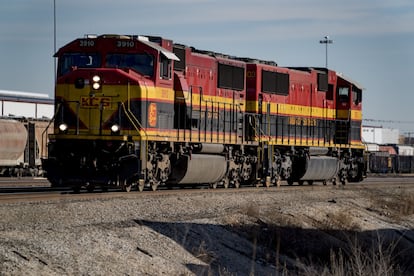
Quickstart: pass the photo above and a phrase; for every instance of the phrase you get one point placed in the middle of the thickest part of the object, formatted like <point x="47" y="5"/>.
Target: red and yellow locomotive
<point x="142" y="111"/>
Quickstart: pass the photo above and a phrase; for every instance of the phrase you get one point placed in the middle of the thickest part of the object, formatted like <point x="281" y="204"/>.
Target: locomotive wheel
<point x="277" y="181"/>
<point x="225" y="183"/>
<point x="301" y="182"/>
<point x="141" y="185"/>
<point x="104" y="188"/>
<point x="268" y="182"/>
<point x="76" y="189"/>
<point x="154" y="185"/>
<point x="310" y="182"/>
<point x="290" y="182"/>
<point x="126" y="187"/>
<point x="90" y="187"/>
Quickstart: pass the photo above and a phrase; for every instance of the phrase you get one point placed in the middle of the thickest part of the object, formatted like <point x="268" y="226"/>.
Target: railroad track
<point x="18" y="190"/>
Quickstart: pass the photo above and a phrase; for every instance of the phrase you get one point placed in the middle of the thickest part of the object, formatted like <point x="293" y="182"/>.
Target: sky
<point x="373" y="40"/>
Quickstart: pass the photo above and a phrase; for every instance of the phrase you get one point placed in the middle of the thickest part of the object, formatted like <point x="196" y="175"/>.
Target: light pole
<point x="326" y="41"/>
<point x="54" y="38"/>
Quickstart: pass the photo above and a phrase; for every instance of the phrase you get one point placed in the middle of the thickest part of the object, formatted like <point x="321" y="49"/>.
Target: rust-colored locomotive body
<point x="142" y="111"/>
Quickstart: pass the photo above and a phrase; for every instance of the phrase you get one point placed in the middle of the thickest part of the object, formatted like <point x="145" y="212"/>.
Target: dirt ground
<point x="309" y="231"/>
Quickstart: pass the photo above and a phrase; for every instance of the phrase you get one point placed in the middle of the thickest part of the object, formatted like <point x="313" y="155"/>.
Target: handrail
<point x="133" y="120"/>
<point x="44" y="133"/>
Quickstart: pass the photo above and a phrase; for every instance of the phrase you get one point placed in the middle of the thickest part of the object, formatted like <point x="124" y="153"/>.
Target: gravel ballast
<point x="191" y="233"/>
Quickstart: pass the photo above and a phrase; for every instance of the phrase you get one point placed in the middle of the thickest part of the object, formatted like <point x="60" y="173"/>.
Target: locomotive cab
<point x="348" y="111"/>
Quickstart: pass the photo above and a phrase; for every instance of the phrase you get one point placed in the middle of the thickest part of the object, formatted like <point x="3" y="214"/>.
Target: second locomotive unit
<point x="142" y="111"/>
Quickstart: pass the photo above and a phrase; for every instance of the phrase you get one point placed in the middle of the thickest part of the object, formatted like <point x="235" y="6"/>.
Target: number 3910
<point x="125" y="44"/>
<point x="86" y="43"/>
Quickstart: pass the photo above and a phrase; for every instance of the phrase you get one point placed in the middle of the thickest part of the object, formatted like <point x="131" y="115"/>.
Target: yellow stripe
<point x="215" y="101"/>
<point x="121" y="93"/>
<point x="302" y="111"/>
<point x="355" y="114"/>
<point x="90" y="115"/>
<point x="116" y="92"/>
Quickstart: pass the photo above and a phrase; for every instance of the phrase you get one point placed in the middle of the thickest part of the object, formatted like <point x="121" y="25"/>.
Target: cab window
<point x="69" y="61"/>
<point x="343" y="94"/>
<point x="356" y="95"/>
<point x="165" y="67"/>
<point x="141" y="63"/>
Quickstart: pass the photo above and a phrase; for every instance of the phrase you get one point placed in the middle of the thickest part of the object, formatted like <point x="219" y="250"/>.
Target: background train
<point x="390" y="158"/>
<point x="23" y="120"/>
<point x="144" y="111"/>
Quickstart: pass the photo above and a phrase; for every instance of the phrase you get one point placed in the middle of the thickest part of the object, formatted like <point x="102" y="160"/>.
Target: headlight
<point x="96" y="82"/>
<point x="115" y="128"/>
<point x="63" y="127"/>
<point x="96" y="85"/>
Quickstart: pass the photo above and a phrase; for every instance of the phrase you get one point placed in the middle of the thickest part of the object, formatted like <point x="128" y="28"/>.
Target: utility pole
<point x="326" y="41"/>
<point x="54" y="38"/>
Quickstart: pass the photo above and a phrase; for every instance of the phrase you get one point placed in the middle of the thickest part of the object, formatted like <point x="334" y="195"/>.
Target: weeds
<point x="331" y="243"/>
<point x="378" y="260"/>
<point x="340" y="220"/>
<point x="202" y="253"/>
<point x="336" y="246"/>
<point x="396" y="206"/>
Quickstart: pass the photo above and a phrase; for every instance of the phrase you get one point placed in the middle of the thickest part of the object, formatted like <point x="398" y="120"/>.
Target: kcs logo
<point x="95" y="101"/>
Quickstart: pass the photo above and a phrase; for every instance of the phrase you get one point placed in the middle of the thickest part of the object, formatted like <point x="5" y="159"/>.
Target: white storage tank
<point x="380" y="135"/>
<point x="404" y="150"/>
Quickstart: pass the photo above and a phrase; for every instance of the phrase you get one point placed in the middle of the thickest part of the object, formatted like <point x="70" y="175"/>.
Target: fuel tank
<point x="200" y="168"/>
<point x="13" y="138"/>
<point x="208" y="148"/>
<point x="321" y="168"/>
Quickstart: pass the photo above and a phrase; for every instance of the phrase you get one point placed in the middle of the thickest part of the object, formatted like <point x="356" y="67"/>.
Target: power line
<point x="388" y="121"/>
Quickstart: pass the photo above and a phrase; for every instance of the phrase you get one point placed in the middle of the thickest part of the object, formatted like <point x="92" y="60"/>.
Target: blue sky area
<point x="373" y="40"/>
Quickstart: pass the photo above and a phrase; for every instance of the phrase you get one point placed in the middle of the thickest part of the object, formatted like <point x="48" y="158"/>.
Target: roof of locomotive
<point x="226" y="56"/>
<point x="355" y="83"/>
<point x="324" y="69"/>
<point x="151" y="41"/>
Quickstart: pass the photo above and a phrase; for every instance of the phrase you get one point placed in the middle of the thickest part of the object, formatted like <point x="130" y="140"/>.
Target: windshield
<point x="141" y="63"/>
<point x="343" y="93"/>
<point x="79" y="60"/>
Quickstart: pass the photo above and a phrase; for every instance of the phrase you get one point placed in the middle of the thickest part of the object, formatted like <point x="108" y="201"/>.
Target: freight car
<point x="22" y="144"/>
<point x="24" y="117"/>
<point x="143" y="111"/>
<point x="391" y="159"/>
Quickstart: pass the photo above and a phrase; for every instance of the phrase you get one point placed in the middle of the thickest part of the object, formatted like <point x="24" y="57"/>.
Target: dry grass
<point x="379" y="260"/>
<point x="202" y="253"/>
<point x="402" y="205"/>
<point x="340" y="220"/>
<point x="397" y="206"/>
<point x="336" y="247"/>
